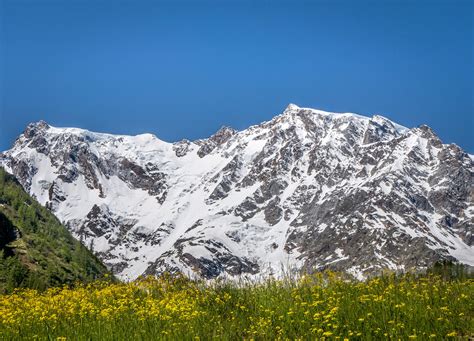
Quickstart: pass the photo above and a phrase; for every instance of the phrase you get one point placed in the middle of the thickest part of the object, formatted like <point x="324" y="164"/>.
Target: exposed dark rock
<point x="332" y="191"/>
<point x="219" y="138"/>
<point x="181" y="148"/>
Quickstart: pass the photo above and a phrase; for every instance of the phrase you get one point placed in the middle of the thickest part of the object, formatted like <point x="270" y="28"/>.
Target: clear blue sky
<point x="183" y="69"/>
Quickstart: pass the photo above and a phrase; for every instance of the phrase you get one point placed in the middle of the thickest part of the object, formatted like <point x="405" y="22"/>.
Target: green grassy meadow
<point x="322" y="306"/>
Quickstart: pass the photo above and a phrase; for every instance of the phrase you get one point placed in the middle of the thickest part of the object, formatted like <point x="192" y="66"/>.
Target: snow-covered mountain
<point x="305" y="191"/>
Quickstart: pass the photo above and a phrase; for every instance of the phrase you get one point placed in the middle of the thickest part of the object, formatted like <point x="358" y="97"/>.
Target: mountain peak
<point x="224" y="130"/>
<point x="41" y="124"/>
<point x="33" y="128"/>
<point x="223" y="134"/>
<point x="308" y="189"/>
<point x="291" y="107"/>
<point x="220" y="137"/>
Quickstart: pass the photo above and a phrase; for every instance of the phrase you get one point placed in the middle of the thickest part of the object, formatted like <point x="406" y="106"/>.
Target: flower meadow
<point x="320" y="306"/>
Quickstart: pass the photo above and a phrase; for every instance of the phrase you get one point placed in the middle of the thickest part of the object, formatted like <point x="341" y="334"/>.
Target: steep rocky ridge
<point x="307" y="190"/>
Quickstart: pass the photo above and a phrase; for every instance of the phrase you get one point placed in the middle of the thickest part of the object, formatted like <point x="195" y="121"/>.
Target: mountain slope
<point x="35" y="249"/>
<point x="307" y="190"/>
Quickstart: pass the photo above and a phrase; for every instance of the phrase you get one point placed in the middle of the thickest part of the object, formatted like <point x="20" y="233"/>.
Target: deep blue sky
<point x="183" y="69"/>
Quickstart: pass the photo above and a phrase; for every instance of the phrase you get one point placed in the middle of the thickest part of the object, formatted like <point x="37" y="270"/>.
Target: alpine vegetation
<point x="36" y="251"/>
<point x="322" y="306"/>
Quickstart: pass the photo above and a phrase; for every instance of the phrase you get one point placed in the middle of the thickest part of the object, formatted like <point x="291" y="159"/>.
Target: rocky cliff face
<point x="307" y="190"/>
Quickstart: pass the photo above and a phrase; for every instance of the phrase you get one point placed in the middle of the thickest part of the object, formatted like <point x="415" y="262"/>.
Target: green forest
<point x="36" y="251"/>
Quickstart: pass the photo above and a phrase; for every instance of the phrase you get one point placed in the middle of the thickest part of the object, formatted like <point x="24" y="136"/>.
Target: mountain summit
<point x="307" y="190"/>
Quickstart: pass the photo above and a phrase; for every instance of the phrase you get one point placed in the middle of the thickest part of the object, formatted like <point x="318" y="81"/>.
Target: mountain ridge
<point x="290" y="108"/>
<point x="308" y="188"/>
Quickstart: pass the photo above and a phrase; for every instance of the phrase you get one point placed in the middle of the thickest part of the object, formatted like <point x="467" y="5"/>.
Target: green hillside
<point x="36" y="251"/>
